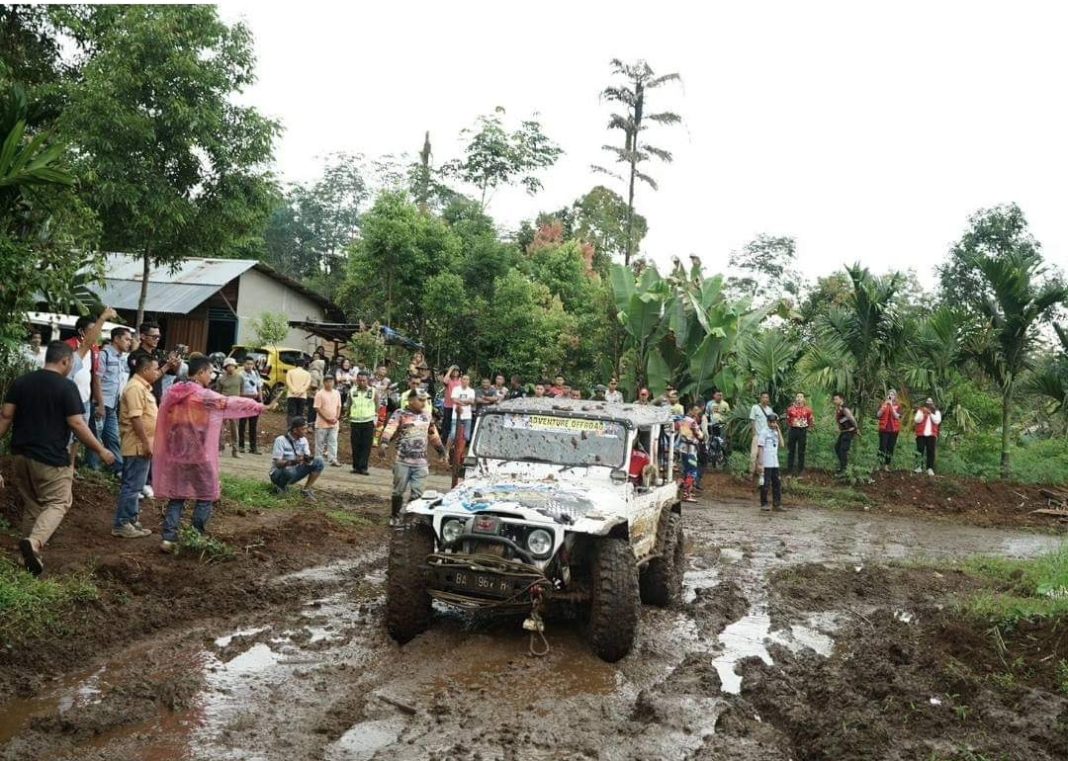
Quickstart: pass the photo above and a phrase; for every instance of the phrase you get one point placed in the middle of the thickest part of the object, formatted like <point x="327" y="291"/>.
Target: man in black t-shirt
<point x="42" y="409"/>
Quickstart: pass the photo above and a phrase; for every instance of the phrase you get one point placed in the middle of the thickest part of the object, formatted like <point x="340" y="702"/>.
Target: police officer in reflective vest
<point x="362" y="416"/>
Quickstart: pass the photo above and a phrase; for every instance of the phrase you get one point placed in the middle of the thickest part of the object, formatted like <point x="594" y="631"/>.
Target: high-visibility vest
<point x="923" y="424"/>
<point x="364" y="407"/>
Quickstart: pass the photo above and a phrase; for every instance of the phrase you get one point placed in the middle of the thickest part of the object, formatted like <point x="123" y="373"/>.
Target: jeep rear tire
<point x="614" y="604"/>
<point x="407" y="600"/>
<point x="661" y="579"/>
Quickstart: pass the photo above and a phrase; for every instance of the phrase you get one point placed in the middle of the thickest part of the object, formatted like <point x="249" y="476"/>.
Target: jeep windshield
<point x="552" y="439"/>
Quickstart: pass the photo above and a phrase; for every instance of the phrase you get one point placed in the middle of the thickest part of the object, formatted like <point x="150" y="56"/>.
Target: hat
<point x="229" y="362"/>
<point x="297" y="422"/>
<point x="363" y="373"/>
<point x="600" y="387"/>
<point x="772" y="417"/>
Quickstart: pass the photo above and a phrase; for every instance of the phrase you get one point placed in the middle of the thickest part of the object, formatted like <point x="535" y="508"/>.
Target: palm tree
<point x="933" y="361"/>
<point x="856" y="344"/>
<point x="640" y="78"/>
<point x="1020" y="299"/>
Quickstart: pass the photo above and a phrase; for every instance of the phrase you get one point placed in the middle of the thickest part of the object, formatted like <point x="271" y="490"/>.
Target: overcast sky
<point x="868" y="131"/>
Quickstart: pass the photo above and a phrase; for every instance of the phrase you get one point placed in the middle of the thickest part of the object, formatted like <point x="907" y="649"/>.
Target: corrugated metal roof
<point x="177" y="291"/>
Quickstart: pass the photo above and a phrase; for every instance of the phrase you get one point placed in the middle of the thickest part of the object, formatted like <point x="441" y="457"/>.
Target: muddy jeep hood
<point x="562" y="504"/>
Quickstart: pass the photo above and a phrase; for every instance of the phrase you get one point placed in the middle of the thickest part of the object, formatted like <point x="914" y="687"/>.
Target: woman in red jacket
<point x="889" y="428"/>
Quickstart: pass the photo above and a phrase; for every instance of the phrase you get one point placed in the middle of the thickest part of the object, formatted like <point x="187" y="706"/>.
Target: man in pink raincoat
<point x="185" y="462"/>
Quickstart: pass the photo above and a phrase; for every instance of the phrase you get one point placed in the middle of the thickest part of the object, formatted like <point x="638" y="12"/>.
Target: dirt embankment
<point x="143" y="591"/>
<point x="958" y="499"/>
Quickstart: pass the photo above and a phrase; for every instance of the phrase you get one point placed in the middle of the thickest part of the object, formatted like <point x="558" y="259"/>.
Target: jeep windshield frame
<point x="569" y="440"/>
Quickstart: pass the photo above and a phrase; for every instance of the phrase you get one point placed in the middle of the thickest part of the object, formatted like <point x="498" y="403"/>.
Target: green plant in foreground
<point x="1062" y="676"/>
<point x="30" y="606"/>
<point x="208" y="549"/>
<point x="349" y="520"/>
<point x="257" y="495"/>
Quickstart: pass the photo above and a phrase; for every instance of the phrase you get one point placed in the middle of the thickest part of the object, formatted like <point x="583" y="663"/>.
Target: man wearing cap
<point x="292" y="461"/>
<point x="413" y="429"/>
<point x="599" y="392"/>
<point x="327" y="420"/>
<point x="363" y="412"/>
<point x="768" y="464"/>
<point x="230" y="383"/>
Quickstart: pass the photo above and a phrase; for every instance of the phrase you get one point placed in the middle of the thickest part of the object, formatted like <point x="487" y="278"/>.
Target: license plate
<point x="484" y="583"/>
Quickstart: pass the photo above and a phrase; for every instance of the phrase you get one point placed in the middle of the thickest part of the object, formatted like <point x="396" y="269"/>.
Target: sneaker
<point x="365" y="472"/>
<point x="778" y="508"/>
<point x="335" y="464"/>
<point x="279" y="491"/>
<point x="689" y="498"/>
<point x="765" y="508"/>
<point x="254" y="451"/>
<point x="31" y="557"/>
<point x="129" y="531"/>
<point x="308" y="494"/>
<point x="138" y="526"/>
<point x="148" y="493"/>
<point x="235" y="454"/>
<point x="918" y="470"/>
<point x="930" y="472"/>
<point x="167" y="546"/>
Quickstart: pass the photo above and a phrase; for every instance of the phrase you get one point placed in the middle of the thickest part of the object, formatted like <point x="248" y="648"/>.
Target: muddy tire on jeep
<point x="407" y="600"/>
<point x="614" y="603"/>
<point x="661" y="579"/>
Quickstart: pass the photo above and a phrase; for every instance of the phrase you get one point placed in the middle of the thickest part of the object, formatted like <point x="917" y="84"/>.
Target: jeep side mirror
<point x="619" y="476"/>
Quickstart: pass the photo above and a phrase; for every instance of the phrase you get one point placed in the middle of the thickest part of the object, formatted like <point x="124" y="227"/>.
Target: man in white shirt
<point x="292" y="461"/>
<point x="613" y="394"/>
<point x="768" y="464"/>
<point x="928" y="419"/>
<point x="463" y="404"/>
<point x="758" y="419"/>
<point x="34" y="351"/>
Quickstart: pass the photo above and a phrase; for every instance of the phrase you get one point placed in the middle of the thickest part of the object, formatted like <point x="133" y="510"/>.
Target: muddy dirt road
<point x="315" y="676"/>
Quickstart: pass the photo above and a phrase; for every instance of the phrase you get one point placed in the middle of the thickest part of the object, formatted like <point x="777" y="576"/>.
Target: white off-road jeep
<point x="561" y="502"/>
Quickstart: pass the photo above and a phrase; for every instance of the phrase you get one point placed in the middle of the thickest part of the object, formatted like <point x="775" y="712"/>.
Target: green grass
<point x="349" y="520"/>
<point x="30" y="606"/>
<point x="829" y="496"/>
<point x="257" y="495"/>
<point x="207" y="549"/>
<point x="1023" y="589"/>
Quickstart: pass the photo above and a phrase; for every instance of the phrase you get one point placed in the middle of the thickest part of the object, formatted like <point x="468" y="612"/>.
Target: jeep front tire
<point x="661" y="579"/>
<point x="407" y="600"/>
<point x="614" y="604"/>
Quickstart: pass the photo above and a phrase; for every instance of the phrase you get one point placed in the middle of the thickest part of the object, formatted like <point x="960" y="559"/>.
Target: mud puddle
<point x="319" y="679"/>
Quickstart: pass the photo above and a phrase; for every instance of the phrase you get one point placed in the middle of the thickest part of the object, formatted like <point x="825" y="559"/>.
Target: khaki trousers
<point x="46" y="494"/>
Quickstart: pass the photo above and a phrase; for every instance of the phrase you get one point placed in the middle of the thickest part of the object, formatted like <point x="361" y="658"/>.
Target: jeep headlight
<point x="539" y="542"/>
<point x="451" y="530"/>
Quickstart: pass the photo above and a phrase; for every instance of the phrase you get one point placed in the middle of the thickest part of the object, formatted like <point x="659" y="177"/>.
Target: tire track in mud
<point x="319" y="679"/>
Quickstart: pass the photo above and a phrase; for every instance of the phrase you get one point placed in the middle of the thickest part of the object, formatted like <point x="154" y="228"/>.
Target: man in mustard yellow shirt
<point x="137" y="429"/>
<point x="298" y="381"/>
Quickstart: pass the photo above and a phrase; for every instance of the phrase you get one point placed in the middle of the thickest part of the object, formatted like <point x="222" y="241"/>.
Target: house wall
<point x="258" y="293"/>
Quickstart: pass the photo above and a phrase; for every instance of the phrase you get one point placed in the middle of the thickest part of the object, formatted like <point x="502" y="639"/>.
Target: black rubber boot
<point x="396" y="504"/>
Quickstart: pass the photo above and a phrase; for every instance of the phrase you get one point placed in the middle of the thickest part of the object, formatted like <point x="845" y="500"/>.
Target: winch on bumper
<point x="491" y="561"/>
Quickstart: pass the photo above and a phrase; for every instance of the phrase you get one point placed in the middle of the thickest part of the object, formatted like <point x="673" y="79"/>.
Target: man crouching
<point x="292" y="460"/>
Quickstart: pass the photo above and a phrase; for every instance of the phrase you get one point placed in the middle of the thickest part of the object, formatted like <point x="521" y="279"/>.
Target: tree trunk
<point x="630" y="215"/>
<point x="1006" y="403"/>
<point x="145" y="274"/>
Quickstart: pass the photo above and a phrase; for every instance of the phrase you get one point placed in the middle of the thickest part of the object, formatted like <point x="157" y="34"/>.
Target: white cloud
<point x="870" y="132"/>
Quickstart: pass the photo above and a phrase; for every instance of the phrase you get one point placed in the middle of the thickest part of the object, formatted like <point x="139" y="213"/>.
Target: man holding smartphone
<point x="292" y="460"/>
